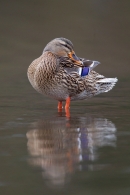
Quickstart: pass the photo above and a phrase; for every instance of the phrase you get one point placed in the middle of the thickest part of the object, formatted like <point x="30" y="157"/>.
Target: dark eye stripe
<point x="65" y="45"/>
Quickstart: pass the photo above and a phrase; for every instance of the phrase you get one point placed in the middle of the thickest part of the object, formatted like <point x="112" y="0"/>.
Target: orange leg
<point x="59" y="106"/>
<point x="67" y="106"/>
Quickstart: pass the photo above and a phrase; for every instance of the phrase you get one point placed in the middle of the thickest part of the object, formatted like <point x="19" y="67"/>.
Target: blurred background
<point x="96" y="160"/>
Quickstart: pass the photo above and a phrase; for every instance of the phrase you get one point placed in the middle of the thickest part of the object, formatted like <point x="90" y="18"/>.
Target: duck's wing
<point x="70" y="67"/>
<point x="89" y="65"/>
<point x="92" y="85"/>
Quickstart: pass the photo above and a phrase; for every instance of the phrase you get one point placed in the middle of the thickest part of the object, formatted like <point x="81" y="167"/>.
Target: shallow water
<point x="42" y="151"/>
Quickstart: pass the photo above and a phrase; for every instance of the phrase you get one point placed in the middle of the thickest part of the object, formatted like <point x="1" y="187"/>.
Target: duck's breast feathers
<point x="42" y="68"/>
<point x="47" y="66"/>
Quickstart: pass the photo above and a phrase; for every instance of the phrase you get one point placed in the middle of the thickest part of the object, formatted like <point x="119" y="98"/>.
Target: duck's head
<point x="63" y="47"/>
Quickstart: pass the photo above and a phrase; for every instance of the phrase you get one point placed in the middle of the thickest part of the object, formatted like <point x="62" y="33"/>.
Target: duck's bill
<point x="76" y="60"/>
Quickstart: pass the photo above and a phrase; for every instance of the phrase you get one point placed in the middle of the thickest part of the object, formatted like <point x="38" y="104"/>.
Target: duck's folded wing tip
<point x="94" y="64"/>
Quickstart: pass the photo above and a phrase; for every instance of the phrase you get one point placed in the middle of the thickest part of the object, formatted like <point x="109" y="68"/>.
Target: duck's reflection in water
<point x="58" y="145"/>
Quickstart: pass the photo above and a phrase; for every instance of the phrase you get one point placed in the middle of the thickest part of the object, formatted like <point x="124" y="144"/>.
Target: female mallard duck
<point x="60" y="74"/>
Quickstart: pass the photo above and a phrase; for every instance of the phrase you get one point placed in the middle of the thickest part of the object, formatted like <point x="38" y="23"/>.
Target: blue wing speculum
<point x="85" y="71"/>
<point x="89" y="65"/>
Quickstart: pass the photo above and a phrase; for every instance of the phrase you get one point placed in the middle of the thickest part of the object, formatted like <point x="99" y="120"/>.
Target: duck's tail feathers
<point x="105" y="84"/>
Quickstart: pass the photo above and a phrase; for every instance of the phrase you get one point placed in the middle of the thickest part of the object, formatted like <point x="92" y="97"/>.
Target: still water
<point x="42" y="151"/>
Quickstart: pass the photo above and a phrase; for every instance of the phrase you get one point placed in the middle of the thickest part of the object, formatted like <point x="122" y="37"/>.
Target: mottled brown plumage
<point x="57" y="73"/>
